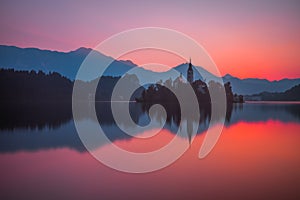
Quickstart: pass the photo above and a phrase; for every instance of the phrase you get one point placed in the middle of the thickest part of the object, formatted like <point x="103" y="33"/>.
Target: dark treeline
<point x="32" y="86"/>
<point x="104" y="89"/>
<point x="31" y="99"/>
<point x="107" y="84"/>
<point x="35" y="87"/>
<point x="38" y="87"/>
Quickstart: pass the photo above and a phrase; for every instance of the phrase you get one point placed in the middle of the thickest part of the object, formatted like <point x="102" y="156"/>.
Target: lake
<point x="256" y="157"/>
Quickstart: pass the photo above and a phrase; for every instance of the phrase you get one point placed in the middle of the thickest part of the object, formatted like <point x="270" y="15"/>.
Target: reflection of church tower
<point x="189" y="130"/>
<point x="190" y="73"/>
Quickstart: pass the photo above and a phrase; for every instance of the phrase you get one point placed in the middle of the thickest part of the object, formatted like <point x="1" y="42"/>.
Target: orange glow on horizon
<point x="239" y="65"/>
<point x="257" y="39"/>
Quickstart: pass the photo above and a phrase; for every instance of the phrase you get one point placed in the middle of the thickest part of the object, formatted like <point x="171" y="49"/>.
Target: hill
<point x="68" y="63"/>
<point x="292" y="94"/>
<point x="64" y="63"/>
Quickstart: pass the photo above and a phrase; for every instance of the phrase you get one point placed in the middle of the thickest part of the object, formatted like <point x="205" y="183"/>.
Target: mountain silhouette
<point x="68" y="63"/>
<point x="65" y="63"/>
<point x="292" y="94"/>
<point x="251" y="86"/>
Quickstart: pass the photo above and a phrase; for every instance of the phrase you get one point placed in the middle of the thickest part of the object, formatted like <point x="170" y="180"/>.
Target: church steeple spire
<point x="190" y="73"/>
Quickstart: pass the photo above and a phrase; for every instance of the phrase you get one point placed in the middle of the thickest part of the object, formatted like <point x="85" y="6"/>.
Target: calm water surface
<point x="256" y="157"/>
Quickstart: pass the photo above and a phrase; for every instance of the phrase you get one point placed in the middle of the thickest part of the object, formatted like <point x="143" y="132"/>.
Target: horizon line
<point x="93" y="49"/>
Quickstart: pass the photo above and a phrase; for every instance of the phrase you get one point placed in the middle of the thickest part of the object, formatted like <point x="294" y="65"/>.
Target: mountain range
<point x="68" y="63"/>
<point x="292" y="94"/>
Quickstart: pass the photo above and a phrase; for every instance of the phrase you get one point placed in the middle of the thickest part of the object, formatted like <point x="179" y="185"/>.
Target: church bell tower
<point x="190" y="73"/>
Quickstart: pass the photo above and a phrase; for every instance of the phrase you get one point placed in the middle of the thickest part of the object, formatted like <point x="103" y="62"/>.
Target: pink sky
<point x="257" y="38"/>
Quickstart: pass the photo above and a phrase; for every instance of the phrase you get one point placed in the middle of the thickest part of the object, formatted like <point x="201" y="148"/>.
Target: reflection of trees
<point x="38" y="101"/>
<point x="55" y="116"/>
<point x="34" y="115"/>
<point x="293" y="109"/>
<point x="174" y="113"/>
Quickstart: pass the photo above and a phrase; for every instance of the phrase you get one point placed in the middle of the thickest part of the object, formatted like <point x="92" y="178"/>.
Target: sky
<point x="259" y="38"/>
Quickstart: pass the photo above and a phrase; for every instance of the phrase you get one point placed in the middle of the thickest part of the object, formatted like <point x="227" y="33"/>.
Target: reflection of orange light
<point x="250" y="160"/>
<point x="240" y="147"/>
<point x="146" y="144"/>
<point x="239" y="139"/>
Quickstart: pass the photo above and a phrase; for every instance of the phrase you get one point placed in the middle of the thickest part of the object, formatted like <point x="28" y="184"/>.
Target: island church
<point x="190" y="73"/>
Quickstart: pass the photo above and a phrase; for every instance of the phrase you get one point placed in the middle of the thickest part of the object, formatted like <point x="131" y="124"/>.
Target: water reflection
<point x="33" y="127"/>
<point x="250" y="162"/>
<point x="34" y="115"/>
